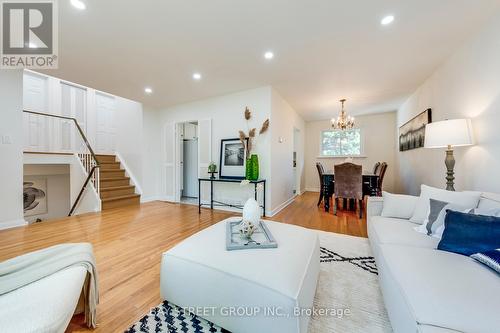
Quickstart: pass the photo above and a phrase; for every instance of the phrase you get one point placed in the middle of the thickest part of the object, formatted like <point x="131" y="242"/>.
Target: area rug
<point x="348" y="281"/>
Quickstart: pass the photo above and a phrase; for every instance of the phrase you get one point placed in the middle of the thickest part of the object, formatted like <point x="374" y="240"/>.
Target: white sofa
<point x="427" y="290"/>
<point x="44" y="306"/>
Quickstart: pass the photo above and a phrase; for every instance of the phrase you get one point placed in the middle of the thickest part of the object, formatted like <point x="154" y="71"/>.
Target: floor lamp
<point x="449" y="134"/>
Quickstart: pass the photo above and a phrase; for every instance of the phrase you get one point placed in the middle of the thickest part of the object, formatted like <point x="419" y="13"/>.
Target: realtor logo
<point x="29" y="34"/>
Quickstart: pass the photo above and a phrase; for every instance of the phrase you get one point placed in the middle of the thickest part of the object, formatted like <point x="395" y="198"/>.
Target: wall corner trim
<point x="280" y="207"/>
<point x="13" y="224"/>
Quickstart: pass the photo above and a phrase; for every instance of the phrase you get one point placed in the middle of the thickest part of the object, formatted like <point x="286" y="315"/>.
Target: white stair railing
<point x="77" y="144"/>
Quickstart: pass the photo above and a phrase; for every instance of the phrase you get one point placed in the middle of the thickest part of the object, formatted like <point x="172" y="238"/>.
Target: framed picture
<point x="412" y="134"/>
<point x="35" y="196"/>
<point x="232" y="159"/>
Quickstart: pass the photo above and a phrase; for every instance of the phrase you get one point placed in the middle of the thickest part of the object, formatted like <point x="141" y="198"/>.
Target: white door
<point x="105" y="124"/>
<point x="168" y="169"/>
<point x="190" y="168"/>
<point x="35" y="98"/>
<point x="74" y="105"/>
<point x="204" y="154"/>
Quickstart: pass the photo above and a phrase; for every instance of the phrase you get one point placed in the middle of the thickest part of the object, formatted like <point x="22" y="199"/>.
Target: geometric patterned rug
<point x="366" y="263"/>
<point x="168" y="317"/>
<point x="347" y="280"/>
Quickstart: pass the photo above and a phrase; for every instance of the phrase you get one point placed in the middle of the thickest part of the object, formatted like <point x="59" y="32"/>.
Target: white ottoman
<point x="248" y="290"/>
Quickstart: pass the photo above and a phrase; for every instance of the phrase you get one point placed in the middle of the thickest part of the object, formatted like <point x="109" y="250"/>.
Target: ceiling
<point x="324" y="49"/>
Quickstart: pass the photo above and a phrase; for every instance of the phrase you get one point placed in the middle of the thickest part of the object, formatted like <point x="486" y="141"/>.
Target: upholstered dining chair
<point x="381" y="176"/>
<point x="321" y="171"/>
<point x="349" y="184"/>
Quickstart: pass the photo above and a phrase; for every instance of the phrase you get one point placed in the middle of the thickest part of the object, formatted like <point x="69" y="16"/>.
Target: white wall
<point x="58" y="189"/>
<point x="11" y="154"/>
<point x="379" y="135"/>
<point x="129" y="138"/>
<point x="227" y="117"/>
<point x="151" y="172"/>
<point x="284" y="120"/>
<point x="467" y="85"/>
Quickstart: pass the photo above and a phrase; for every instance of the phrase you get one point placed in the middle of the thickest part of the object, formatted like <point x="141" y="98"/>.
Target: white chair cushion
<point x="45" y="306"/>
<point x="200" y="272"/>
<point x="466" y="199"/>
<point x="444" y="289"/>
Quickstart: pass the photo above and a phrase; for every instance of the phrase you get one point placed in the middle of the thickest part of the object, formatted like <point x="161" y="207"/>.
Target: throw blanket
<point x="20" y="271"/>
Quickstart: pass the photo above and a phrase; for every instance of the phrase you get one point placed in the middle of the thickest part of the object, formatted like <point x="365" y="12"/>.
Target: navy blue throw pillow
<point x="468" y="234"/>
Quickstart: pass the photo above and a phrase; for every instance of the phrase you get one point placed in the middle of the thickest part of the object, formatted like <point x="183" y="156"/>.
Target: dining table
<point x="370" y="183"/>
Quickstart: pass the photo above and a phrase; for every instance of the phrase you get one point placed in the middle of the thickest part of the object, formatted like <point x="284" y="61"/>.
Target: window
<point x="338" y="143"/>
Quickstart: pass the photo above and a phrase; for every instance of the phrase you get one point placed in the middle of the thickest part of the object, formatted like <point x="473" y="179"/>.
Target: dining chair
<point x="349" y="184"/>
<point x="381" y="176"/>
<point x="321" y="171"/>
<point x="376" y="168"/>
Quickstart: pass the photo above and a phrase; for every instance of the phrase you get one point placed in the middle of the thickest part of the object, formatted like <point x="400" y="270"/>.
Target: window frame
<point x="361" y="144"/>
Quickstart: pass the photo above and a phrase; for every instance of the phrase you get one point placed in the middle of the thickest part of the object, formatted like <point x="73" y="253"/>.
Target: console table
<point x="229" y="180"/>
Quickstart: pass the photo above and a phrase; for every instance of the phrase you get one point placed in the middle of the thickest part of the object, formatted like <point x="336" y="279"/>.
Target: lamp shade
<point x="454" y="133"/>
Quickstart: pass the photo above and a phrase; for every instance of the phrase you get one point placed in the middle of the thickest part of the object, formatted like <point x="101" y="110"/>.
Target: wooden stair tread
<point x="114" y="178"/>
<point x="130" y="196"/>
<point x="112" y="188"/>
<point x="109" y="163"/>
<point x="111" y="170"/>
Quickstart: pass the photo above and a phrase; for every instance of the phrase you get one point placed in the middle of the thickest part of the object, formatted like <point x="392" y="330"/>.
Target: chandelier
<point x="343" y="122"/>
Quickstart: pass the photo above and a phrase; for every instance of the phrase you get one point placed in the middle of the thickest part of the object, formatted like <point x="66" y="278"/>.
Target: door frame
<point x="177" y="156"/>
<point x="297" y="133"/>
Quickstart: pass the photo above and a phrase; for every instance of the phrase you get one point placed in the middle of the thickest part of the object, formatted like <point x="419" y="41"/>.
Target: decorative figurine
<point x="212" y="169"/>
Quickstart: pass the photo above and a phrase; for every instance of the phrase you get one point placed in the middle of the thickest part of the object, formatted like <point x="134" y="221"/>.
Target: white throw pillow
<point x="398" y="205"/>
<point x="434" y="223"/>
<point x="437" y="226"/>
<point x="464" y="199"/>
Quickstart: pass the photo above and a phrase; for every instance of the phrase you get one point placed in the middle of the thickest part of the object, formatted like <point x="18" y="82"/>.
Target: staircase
<point x="115" y="188"/>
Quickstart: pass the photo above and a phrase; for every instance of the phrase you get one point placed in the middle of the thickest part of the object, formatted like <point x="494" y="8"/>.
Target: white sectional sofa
<point x="427" y="290"/>
<point x="44" y="306"/>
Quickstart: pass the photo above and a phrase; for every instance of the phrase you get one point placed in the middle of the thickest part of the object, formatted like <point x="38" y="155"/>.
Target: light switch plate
<point x="6" y="139"/>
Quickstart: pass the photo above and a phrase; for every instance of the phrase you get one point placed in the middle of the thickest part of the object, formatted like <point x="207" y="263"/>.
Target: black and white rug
<point x="348" y="280"/>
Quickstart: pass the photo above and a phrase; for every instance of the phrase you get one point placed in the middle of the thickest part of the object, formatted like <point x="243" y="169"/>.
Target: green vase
<point x="254" y="169"/>
<point x="248" y="169"/>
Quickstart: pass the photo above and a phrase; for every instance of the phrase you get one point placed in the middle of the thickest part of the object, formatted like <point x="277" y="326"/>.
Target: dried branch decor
<point x="252" y="133"/>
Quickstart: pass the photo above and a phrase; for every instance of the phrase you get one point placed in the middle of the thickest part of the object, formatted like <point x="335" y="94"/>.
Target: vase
<point x="248" y="169"/>
<point x="254" y="162"/>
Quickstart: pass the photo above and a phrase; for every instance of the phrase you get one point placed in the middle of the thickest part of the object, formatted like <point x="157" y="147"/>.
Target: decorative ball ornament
<point x="247" y="229"/>
<point x="251" y="218"/>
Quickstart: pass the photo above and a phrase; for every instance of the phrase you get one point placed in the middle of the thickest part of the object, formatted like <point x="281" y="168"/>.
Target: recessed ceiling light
<point x="268" y="55"/>
<point x="387" y="20"/>
<point x="78" y="4"/>
<point x="148" y="90"/>
<point x="197" y="76"/>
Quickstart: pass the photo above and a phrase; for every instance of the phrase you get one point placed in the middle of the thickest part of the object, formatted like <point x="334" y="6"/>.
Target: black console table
<point x="229" y="180"/>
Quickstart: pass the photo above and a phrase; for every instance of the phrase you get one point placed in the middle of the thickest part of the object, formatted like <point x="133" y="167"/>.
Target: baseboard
<point x="281" y="207"/>
<point x="312" y="189"/>
<point x="151" y="198"/>
<point x="12" y="224"/>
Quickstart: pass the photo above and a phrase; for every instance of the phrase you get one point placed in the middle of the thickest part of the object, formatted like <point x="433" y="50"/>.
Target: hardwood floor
<point x="128" y="243"/>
